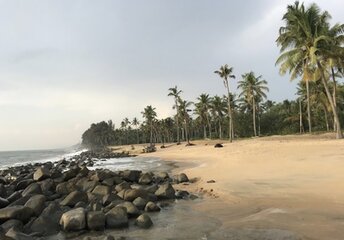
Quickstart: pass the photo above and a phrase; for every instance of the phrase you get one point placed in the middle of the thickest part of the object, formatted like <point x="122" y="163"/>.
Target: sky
<point x="65" y="64"/>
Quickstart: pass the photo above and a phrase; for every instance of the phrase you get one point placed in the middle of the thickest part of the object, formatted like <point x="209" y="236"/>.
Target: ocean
<point x="16" y="158"/>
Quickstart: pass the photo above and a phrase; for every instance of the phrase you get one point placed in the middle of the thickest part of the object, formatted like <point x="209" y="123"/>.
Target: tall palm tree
<point x="305" y="42"/>
<point x="225" y="73"/>
<point x="202" y="109"/>
<point x="174" y="92"/>
<point x="218" y="107"/>
<point x="136" y="123"/>
<point x="183" y="113"/>
<point x="253" y="90"/>
<point x="149" y="114"/>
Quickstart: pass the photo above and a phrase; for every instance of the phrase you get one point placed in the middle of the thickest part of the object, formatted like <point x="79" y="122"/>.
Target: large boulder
<point x="3" y="202"/>
<point x="107" y="199"/>
<point x="96" y="220"/>
<point x="24" y="183"/>
<point x="87" y="186"/>
<point x="12" y="223"/>
<point x="73" y="220"/>
<point x="181" y="178"/>
<point x="101" y="190"/>
<point x="132" y="194"/>
<point x="71" y="173"/>
<point x="143" y="221"/>
<point x="165" y="191"/>
<point x="131" y="208"/>
<point x="16" y="235"/>
<point x="101" y="175"/>
<point x="48" y="222"/>
<point x="32" y="189"/>
<point x="21" y="213"/>
<point x="65" y="188"/>
<point x="152" y="207"/>
<point x="74" y="197"/>
<point x="117" y="218"/>
<point x="131" y="175"/>
<point x="14" y="197"/>
<point x="36" y="203"/>
<point x="122" y="186"/>
<point x="41" y="173"/>
<point x="146" y="179"/>
<point x="47" y="185"/>
<point x="140" y="203"/>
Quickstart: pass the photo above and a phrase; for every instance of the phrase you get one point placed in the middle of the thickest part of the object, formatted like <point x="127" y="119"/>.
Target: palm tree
<point x="306" y="44"/>
<point x="218" y="107"/>
<point x="183" y="113"/>
<point x="225" y="73"/>
<point x="253" y="90"/>
<point x="136" y="123"/>
<point x="202" y="109"/>
<point x="149" y="114"/>
<point x="174" y="92"/>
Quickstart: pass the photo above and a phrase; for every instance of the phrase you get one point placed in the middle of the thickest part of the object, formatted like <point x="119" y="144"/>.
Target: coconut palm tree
<point x="183" y="113"/>
<point x="136" y="123"/>
<point x="305" y="44"/>
<point x="149" y="114"/>
<point x="225" y="72"/>
<point x="253" y="91"/>
<point x="174" y="92"/>
<point x="202" y="110"/>
<point x="218" y="108"/>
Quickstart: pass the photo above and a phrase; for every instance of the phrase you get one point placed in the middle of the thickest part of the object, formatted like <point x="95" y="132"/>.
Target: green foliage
<point x="99" y="135"/>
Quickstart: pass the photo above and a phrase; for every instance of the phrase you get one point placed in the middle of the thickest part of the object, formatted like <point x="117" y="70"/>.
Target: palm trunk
<point x="308" y="108"/>
<point x="300" y="113"/>
<point x="137" y="135"/>
<point x="254" y="116"/>
<point x="326" y="119"/>
<point x="334" y="95"/>
<point x="209" y="126"/>
<point x="204" y="131"/>
<point x="187" y="132"/>
<point x="220" y="129"/>
<point x="151" y="135"/>
<point x="339" y="134"/>
<point x="177" y="121"/>
<point x="230" y="130"/>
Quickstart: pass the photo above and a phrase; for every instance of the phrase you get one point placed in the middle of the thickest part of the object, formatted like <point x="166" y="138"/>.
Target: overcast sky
<point x="66" y="64"/>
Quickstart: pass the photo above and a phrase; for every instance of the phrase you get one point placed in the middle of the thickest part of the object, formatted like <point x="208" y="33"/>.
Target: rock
<point x="132" y="194"/>
<point x="182" y="194"/>
<point x="3" y="202"/>
<point x="218" y="145"/>
<point x="112" y="181"/>
<point x="101" y="175"/>
<point x="131" y="208"/>
<point x="162" y="175"/>
<point x="71" y="173"/>
<point x="101" y="190"/>
<point x="80" y="204"/>
<point x="145" y="179"/>
<point x="211" y="181"/>
<point x="20" y="202"/>
<point x="107" y="199"/>
<point x="16" y="212"/>
<point x="140" y="203"/>
<point x="47" y="185"/>
<point x="41" y="173"/>
<point x="152" y="207"/>
<point x="3" y="192"/>
<point x="32" y="189"/>
<point x="131" y="175"/>
<point x="152" y="189"/>
<point x="117" y="218"/>
<point x="12" y="233"/>
<point x="14" y="197"/>
<point x="73" y="220"/>
<point x="193" y="197"/>
<point x="182" y="178"/>
<point x="12" y="223"/>
<point x="122" y="186"/>
<point x="36" y="203"/>
<point x="96" y="220"/>
<point x="24" y="183"/>
<point x="165" y="191"/>
<point x="48" y="222"/>
<point x="65" y="188"/>
<point x="86" y="185"/>
<point x="3" y="180"/>
<point x="106" y="237"/>
<point x="143" y="221"/>
<point x="73" y="198"/>
<point x="83" y="172"/>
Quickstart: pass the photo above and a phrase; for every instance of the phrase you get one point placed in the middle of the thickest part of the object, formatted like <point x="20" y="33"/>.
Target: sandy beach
<point x="280" y="187"/>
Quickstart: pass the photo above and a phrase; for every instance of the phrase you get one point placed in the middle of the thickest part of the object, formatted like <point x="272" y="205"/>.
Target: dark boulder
<point x="12" y="223"/>
<point x="96" y="220"/>
<point x="122" y="186"/>
<point x="117" y="218"/>
<point x="218" y="145"/>
<point x="140" y="203"/>
<point x="16" y="212"/>
<point x="36" y="203"/>
<point x="41" y="173"/>
<point x="73" y="198"/>
<point x="146" y="179"/>
<point x="132" y="194"/>
<point x="23" y="184"/>
<point x="131" y="175"/>
<point x="101" y="190"/>
<point x="73" y="220"/>
<point x="131" y="208"/>
<point x="152" y="207"/>
<point x="16" y="235"/>
<point x="182" y="178"/>
<point x="143" y="221"/>
<point x="32" y="189"/>
<point x="3" y="202"/>
<point x="165" y="191"/>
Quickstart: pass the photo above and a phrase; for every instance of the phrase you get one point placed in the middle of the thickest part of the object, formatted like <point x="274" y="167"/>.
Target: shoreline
<point x="289" y="184"/>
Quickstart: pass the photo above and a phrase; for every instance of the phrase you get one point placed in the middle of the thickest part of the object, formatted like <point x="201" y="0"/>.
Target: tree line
<point x="311" y="51"/>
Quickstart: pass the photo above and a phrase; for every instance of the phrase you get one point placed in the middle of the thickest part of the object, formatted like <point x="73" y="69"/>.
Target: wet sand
<point x="289" y="187"/>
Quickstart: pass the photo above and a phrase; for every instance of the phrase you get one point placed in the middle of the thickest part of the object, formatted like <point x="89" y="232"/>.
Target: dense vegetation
<point x="311" y="51"/>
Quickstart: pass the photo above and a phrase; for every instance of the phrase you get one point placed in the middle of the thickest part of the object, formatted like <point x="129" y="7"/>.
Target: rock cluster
<point x="40" y="200"/>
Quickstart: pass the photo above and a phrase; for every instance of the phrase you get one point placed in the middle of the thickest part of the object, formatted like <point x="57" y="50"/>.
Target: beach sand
<point x="280" y="187"/>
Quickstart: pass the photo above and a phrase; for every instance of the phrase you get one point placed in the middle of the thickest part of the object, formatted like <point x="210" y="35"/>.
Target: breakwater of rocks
<point x="66" y="199"/>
